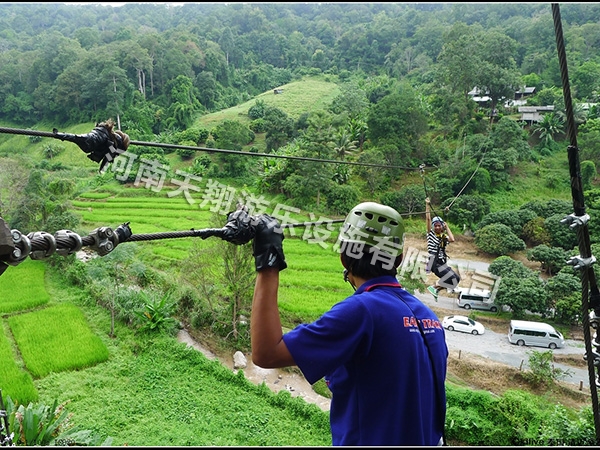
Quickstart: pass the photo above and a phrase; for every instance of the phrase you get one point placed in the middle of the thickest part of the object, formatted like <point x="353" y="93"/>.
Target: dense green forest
<point x="393" y="81"/>
<point x="381" y="92"/>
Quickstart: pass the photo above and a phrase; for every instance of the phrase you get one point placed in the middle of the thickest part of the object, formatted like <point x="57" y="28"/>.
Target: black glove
<point x="238" y="229"/>
<point x="267" y="246"/>
<point x="102" y="144"/>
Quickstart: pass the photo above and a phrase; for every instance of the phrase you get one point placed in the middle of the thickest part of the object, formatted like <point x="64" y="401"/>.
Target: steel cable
<point x="57" y="135"/>
<point x="587" y="273"/>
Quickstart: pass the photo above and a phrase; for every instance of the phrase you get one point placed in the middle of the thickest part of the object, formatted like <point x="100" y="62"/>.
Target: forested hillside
<point x="383" y="88"/>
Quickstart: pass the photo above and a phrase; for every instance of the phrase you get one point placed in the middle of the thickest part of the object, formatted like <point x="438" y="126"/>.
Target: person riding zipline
<point x="438" y="237"/>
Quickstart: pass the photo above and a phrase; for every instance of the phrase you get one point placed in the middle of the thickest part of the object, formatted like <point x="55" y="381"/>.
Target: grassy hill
<point x="298" y="97"/>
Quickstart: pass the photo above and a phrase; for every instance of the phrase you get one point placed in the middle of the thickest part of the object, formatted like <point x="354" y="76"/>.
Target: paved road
<point x="496" y="347"/>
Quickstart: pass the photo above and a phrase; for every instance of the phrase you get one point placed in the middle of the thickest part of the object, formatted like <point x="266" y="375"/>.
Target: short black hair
<point x="368" y="267"/>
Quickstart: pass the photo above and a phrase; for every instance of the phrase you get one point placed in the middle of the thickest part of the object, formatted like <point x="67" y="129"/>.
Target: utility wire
<point x="216" y="150"/>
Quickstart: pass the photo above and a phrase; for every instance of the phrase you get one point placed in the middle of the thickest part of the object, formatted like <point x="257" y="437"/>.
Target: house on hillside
<point x="526" y="92"/>
<point x="479" y="97"/>
<point x="534" y="114"/>
<point x="520" y="97"/>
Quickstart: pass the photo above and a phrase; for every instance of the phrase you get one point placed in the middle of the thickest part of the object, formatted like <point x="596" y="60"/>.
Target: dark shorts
<point x="448" y="277"/>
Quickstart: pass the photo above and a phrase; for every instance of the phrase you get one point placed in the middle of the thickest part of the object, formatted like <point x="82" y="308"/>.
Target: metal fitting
<point x="50" y="242"/>
<point x="596" y="340"/>
<point x="77" y="243"/>
<point x="578" y="262"/>
<point x="21" y="250"/>
<point x="105" y="240"/>
<point x="595" y="358"/>
<point x="575" y="221"/>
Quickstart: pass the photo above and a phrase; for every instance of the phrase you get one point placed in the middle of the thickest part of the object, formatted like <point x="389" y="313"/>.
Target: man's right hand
<point x="267" y="246"/>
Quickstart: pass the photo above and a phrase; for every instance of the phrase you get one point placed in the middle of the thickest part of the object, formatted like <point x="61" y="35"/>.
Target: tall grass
<point x="168" y="394"/>
<point x="56" y="338"/>
<point x="22" y="287"/>
<point x="14" y="381"/>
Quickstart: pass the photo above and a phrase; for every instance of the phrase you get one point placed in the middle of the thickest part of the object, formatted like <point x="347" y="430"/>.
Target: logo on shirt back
<point x="427" y="324"/>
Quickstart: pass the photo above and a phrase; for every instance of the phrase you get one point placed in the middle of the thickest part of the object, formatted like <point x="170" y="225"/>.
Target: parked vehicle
<point x="538" y="334"/>
<point x="476" y="299"/>
<point x="462" y="323"/>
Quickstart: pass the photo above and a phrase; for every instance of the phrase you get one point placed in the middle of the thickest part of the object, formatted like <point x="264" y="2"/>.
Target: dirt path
<point x="290" y="379"/>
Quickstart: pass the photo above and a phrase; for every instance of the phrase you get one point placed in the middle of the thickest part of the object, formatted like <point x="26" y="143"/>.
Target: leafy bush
<point x="408" y="199"/>
<point x="186" y="153"/>
<point x="342" y="198"/>
<point x="498" y="239"/>
<point x="552" y="259"/>
<point x="535" y="233"/>
<point x="40" y="424"/>
<point x="515" y="219"/>
<point x="505" y="266"/>
<point x="52" y="150"/>
<point x="561" y="234"/>
<point x="257" y="111"/>
<point x="522" y="294"/>
<point x="157" y="313"/>
<point x="542" y="372"/>
<point x="559" y="429"/>
<point x="76" y="274"/>
<point x="467" y="210"/>
<point x="258" y="126"/>
<point x="548" y="208"/>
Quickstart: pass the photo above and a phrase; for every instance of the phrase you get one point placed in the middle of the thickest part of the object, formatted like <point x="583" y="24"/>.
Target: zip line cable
<point x="579" y="220"/>
<point x="69" y="137"/>
<point x="422" y="168"/>
<point x="466" y="184"/>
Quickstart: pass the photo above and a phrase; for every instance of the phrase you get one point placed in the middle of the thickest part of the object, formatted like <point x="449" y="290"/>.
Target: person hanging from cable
<point x="439" y="236"/>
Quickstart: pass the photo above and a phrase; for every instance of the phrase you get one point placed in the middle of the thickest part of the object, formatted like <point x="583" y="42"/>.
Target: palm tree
<point x="548" y="128"/>
<point x="344" y="145"/>
<point x="358" y="129"/>
<point x="579" y="114"/>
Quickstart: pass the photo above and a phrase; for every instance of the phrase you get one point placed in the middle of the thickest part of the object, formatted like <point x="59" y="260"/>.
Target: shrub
<point x="157" y="313"/>
<point x="542" y="372"/>
<point x="498" y="239"/>
<point x="342" y="198"/>
<point x="40" y="424"/>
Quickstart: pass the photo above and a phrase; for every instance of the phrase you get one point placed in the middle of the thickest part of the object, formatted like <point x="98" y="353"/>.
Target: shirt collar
<point x="386" y="280"/>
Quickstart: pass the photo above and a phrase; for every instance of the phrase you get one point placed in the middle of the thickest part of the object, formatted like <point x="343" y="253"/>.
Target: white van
<point x="476" y="299"/>
<point x="538" y="334"/>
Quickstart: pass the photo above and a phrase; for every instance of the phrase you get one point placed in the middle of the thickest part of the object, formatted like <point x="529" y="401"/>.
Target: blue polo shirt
<point x="377" y="365"/>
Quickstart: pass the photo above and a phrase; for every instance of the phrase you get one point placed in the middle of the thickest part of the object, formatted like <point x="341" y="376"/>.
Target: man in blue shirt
<point x="381" y="351"/>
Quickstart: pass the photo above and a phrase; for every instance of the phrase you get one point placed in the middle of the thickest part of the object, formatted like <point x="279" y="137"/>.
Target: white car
<point x="462" y="323"/>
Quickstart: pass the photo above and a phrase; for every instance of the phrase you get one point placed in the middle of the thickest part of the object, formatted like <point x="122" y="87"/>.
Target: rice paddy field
<point x="310" y="285"/>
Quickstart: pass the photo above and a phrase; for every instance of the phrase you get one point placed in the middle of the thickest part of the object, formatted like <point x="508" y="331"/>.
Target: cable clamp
<point x="595" y="358"/>
<point x="76" y="242"/>
<point x="578" y="262"/>
<point x="21" y="250"/>
<point x="105" y="240"/>
<point x="575" y="221"/>
<point x="50" y="244"/>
